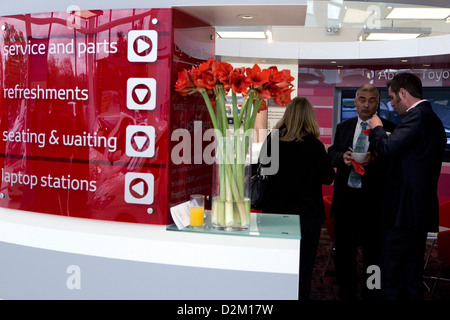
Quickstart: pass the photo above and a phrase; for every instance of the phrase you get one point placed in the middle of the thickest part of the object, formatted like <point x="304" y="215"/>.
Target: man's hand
<point x="347" y="156"/>
<point x="375" y="121"/>
<point x="368" y="160"/>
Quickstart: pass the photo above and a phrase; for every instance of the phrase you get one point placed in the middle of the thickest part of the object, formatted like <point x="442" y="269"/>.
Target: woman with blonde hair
<point x="296" y="188"/>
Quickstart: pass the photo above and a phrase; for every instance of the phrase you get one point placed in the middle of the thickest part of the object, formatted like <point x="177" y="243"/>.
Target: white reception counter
<point x="55" y="257"/>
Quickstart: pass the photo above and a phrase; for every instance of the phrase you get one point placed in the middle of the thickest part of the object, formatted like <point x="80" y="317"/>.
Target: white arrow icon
<point x="140" y="141"/>
<point x="141" y="93"/>
<point x="142" y="46"/>
<point x="138" y="188"/>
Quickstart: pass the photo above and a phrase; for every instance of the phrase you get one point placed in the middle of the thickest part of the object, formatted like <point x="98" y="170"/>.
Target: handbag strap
<point x="259" y="173"/>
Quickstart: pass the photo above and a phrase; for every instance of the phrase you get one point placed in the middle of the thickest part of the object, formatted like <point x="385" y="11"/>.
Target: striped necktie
<point x="355" y="179"/>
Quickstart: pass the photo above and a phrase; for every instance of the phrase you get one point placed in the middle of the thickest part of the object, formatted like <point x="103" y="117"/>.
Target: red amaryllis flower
<point x="257" y="76"/>
<point x="223" y="71"/>
<point x="207" y="65"/>
<point x="275" y="75"/>
<point x="264" y="92"/>
<point x="204" y="78"/>
<point x="286" y="79"/>
<point x="184" y="84"/>
<point x="283" y="96"/>
<point x="239" y="81"/>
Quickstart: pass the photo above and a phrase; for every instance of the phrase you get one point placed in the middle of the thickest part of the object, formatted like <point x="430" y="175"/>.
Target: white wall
<point x="428" y="46"/>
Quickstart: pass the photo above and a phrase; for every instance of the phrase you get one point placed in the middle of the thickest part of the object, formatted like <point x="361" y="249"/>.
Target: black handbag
<point x="258" y="186"/>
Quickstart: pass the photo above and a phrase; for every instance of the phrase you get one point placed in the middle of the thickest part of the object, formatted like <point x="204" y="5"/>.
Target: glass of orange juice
<point x="197" y="210"/>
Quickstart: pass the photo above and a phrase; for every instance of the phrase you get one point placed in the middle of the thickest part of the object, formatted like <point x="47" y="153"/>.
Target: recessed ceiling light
<point x="404" y="60"/>
<point x="246" y="16"/>
<point x="419" y="13"/>
<point x="426" y="65"/>
<point x="333" y="61"/>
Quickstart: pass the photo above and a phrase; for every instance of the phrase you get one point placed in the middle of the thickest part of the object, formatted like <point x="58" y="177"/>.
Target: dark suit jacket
<point x="372" y="180"/>
<point x="414" y="150"/>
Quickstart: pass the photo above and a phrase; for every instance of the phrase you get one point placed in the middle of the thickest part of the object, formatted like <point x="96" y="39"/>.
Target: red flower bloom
<point x="274" y="74"/>
<point x="264" y="92"/>
<point x="267" y="83"/>
<point x="184" y="84"/>
<point x="283" y="96"/>
<point x="204" y="78"/>
<point x="257" y="76"/>
<point x="207" y="65"/>
<point x="239" y="81"/>
<point x="223" y="71"/>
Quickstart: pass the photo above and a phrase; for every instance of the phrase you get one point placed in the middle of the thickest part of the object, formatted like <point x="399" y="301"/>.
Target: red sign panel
<point x="88" y="110"/>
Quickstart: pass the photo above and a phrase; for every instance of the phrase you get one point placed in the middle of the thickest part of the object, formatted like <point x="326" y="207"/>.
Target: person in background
<point x="410" y="205"/>
<point x="356" y="200"/>
<point x="296" y="188"/>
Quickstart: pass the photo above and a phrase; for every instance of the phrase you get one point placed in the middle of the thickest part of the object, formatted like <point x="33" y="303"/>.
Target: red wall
<point x="95" y="69"/>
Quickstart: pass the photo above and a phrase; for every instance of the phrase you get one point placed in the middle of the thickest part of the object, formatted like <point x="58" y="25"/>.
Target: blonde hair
<point x="298" y="121"/>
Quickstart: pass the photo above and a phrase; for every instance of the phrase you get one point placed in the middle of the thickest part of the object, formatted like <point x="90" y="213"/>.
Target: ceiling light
<point x="419" y="13"/>
<point x="386" y="34"/>
<point x="356" y="16"/>
<point x="246" y="16"/>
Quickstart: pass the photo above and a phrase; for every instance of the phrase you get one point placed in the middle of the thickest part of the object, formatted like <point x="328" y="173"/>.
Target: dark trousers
<point x="356" y="225"/>
<point x="310" y="228"/>
<point x="402" y="263"/>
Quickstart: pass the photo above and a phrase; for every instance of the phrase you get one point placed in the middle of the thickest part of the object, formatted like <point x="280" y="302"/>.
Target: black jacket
<point x="297" y="186"/>
<point x="343" y="140"/>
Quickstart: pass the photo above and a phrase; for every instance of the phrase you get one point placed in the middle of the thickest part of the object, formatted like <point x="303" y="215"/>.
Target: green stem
<point x="231" y="154"/>
<point x="248" y="111"/>
<point x="220" y="106"/>
<point x="257" y="104"/>
<point x="243" y="109"/>
<point x="212" y="115"/>
<point x="236" y="122"/>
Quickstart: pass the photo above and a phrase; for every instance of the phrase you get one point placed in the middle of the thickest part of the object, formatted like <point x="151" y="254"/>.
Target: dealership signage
<point x="86" y="114"/>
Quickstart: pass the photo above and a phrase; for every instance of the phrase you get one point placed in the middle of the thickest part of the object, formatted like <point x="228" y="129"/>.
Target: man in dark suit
<point x="356" y="221"/>
<point x="411" y="207"/>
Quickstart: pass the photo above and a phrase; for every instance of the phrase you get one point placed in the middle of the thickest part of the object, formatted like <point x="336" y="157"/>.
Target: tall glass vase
<point x="231" y="181"/>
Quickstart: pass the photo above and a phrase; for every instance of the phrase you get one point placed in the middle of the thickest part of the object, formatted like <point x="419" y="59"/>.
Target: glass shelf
<point x="261" y="225"/>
